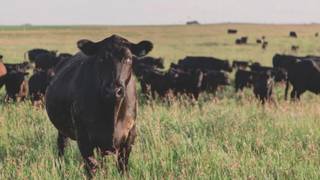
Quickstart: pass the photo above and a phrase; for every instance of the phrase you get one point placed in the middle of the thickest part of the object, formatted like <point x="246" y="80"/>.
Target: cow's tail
<point x="287" y="89"/>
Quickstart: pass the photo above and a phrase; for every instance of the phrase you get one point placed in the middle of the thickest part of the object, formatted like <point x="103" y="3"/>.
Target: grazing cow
<point x="38" y="84"/>
<point x="232" y="31"/>
<point x="192" y="23"/>
<point x="32" y="54"/>
<point x="93" y="100"/>
<point x="316" y="34"/>
<point x="263" y="86"/>
<point x="283" y="61"/>
<point x="205" y="63"/>
<point x="259" y="41"/>
<point x="243" y="79"/>
<point x="265" y="45"/>
<point x="213" y="79"/>
<point x="293" y="34"/>
<point x="242" y="40"/>
<point x="279" y="74"/>
<point x="303" y="75"/>
<point x="16" y="86"/>
<point x="294" y="48"/>
<point x="186" y="82"/>
<point x="240" y="64"/>
<point x="21" y="67"/>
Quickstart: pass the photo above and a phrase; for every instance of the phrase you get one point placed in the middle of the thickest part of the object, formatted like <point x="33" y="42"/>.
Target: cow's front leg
<point x="125" y="150"/>
<point x="86" y="150"/>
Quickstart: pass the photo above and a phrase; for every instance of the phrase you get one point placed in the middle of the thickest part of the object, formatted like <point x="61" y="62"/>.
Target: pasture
<point x="223" y="137"/>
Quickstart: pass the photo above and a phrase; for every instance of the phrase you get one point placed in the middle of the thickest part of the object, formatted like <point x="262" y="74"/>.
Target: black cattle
<point x="293" y="34"/>
<point x="279" y="74"/>
<point x="285" y="61"/>
<point x="205" y="63"/>
<point x="154" y="82"/>
<point x="243" y="79"/>
<point x="46" y="61"/>
<point x="186" y="82"/>
<point x="38" y="84"/>
<point x="213" y="79"/>
<point x="263" y="86"/>
<point x="93" y="100"/>
<point x="242" y="40"/>
<point x="32" y="54"/>
<point x="258" y="41"/>
<point x="240" y="64"/>
<point x="16" y="86"/>
<point x="294" y="48"/>
<point x="232" y="31"/>
<point x="192" y="23"/>
<point x="264" y="45"/>
<point x="316" y="34"/>
<point x="303" y="75"/>
<point x="61" y="60"/>
<point x="20" y="67"/>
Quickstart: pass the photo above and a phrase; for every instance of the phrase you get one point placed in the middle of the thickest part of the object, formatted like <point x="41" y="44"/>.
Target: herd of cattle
<point x="191" y="75"/>
<point x="91" y="96"/>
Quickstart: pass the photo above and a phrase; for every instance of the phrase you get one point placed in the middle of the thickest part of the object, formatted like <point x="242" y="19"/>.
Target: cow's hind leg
<point x="125" y="150"/>
<point x="62" y="142"/>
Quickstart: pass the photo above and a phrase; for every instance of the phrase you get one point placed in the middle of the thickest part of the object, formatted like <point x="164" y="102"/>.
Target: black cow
<point x="263" y="86"/>
<point x="16" y="86"/>
<point x="186" y="82"/>
<point x="214" y="79"/>
<point x="242" y="40"/>
<point x="316" y="34"/>
<point x="38" y="84"/>
<point x="93" y="100"/>
<point x="243" y="79"/>
<point x="293" y="34"/>
<point x="294" y="48"/>
<point x="264" y="45"/>
<point x="240" y="64"/>
<point x="149" y="61"/>
<point x="205" y="63"/>
<point x="46" y="61"/>
<point x="279" y="74"/>
<point x="259" y="41"/>
<point x="154" y="82"/>
<point x="32" y="54"/>
<point x="304" y="75"/>
<point x="232" y="31"/>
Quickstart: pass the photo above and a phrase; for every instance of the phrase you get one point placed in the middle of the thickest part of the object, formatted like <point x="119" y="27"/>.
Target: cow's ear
<point x="142" y="48"/>
<point x="87" y="47"/>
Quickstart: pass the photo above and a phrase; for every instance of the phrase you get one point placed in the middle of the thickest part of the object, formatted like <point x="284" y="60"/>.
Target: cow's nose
<point x="119" y="92"/>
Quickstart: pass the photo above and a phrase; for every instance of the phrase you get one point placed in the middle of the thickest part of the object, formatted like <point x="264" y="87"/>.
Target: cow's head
<point x="113" y="61"/>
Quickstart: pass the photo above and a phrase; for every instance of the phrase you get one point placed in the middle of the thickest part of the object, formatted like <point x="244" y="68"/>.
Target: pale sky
<point x="142" y="12"/>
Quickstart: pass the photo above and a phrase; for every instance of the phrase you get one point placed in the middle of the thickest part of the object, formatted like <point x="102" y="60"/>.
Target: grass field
<point x="227" y="137"/>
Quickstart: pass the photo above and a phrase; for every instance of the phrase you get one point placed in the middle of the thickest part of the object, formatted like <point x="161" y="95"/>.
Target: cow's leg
<point x="62" y="142"/>
<point x="293" y="94"/>
<point x="86" y="150"/>
<point x="299" y="92"/>
<point x="125" y="150"/>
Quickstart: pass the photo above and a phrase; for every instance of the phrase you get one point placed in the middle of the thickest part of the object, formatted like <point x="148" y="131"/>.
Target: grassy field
<point x="226" y="137"/>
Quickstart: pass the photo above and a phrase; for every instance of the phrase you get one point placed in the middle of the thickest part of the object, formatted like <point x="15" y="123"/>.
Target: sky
<point x="153" y="12"/>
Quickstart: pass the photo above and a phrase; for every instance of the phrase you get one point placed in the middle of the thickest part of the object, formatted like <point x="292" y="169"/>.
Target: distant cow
<point x="265" y="45"/>
<point x="192" y="23"/>
<point x="294" y="48"/>
<point x="259" y="41"/>
<point x="93" y="99"/>
<point x="232" y="31"/>
<point x="205" y="63"/>
<point x="16" y="86"/>
<point x="243" y="79"/>
<point x="293" y="34"/>
<point x="32" y="54"/>
<point x="316" y="34"/>
<point x="38" y="84"/>
<point x="242" y="40"/>
<point x="240" y="64"/>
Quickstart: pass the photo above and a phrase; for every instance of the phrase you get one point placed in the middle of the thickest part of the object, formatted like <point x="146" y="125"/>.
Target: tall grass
<point x="224" y="137"/>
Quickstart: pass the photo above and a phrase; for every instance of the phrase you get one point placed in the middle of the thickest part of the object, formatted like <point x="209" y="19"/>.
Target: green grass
<point x="228" y="137"/>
